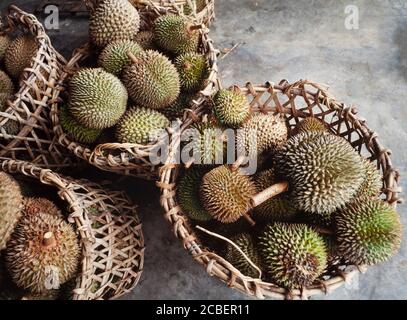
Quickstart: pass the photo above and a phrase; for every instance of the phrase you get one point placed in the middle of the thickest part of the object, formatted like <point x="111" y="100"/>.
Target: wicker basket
<point x="127" y="159"/>
<point x="295" y="101"/>
<point x="30" y="107"/>
<point x="111" y="241"/>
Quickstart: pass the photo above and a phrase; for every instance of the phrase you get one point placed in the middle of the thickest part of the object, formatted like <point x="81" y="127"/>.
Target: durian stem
<point x="324" y="231"/>
<point x="249" y="219"/>
<point x="192" y="28"/>
<point x="132" y="57"/>
<point x="49" y="239"/>
<point x="236" y="165"/>
<point x="269" y="193"/>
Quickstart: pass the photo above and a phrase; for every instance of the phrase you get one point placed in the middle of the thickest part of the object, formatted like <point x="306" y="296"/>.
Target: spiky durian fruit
<point x="372" y="183"/>
<point x="152" y="80"/>
<point x="11" y="202"/>
<point x="4" y="43"/>
<point x="226" y="194"/>
<point x="323" y="170"/>
<point x="193" y="70"/>
<point x="188" y="194"/>
<point x="176" y="109"/>
<point x="115" y="55"/>
<point x="245" y="243"/>
<point x="231" y="107"/>
<point x="97" y="98"/>
<point x="113" y="20"/>
<point x="146" y="40"/>
<point x="310" y="124"/>
<point x="19" y="54"/>
<point x="264" y="131"/>
<point x="42" y="248"/>
<point x="368" y="231"/>
<point x="199" y="6"/>
<point x="76" y="130"/>
<point x="294" y="254"/>
<point x="6" y="89"/>
<point x="278" y="208"/>
<point x="176" y="34"/>
<point x="141" y="125"/>
<point x="34" y="206"/>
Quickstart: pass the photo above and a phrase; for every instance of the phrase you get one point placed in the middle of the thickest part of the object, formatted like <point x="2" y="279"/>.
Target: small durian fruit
<point x="310" y="124"/>
<point x="4" y="43"/>
<point x="193" y="71"/>
<point x="11" y="204"/>
<point x="278" y="208"/>
<point x="33" y="206"/>
<point x="23" y="47"/>
<point x="115" y="55"/>
<point x="152" y="80"/>
<point x="146" y="40"/>
<point x="98" y="99"/>
<point x="113" y="20"/>
<point x="368" y="231"/>
<point x="188" y="194"/>
<point x="372" y="183"/>
<point x="176" y="34"/>
<point x="231" y="107"/>
<point x="245" y="243"/>
<point x="76" y="130"/>
<point x="266" y="131"/>
<point x="176" y="109"/>
<point x="141" y="126"/>
<point x="226" y="194"/>
<point x="6" y="90"/>
<point x="294" y="255"/>
<point x="323" y="170"/>
<point x="42" y="248"/>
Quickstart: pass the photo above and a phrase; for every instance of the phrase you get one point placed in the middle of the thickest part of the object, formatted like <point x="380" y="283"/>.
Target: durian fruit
<point x="113" y="20"/>
<point x="152" y="80"/>
<point x="76" y="130"/>
<point x="245" y="242"/>
<point x="278" y="208"/>
<point x="176" y="109"/>
<point x="372" y="183"/>
<point x="141" y="125"/>
<point x="176" y="34"/>
<point x="368" y="231"/>
<point x="115" y="55"/>
<point x="97" y="98"/>
<point x="19" y="54"/>
<point x="33" y="206"/>
<point x="4" y="43"/>
<point x="323" y="170"/>
<point x="266" y="131"/>
<point x="42" y="248"/>
<point x="188" y="194"/>
<point x="146" y="40"/>
<point x="6" y="89"/>
<point x="207" y="144"/>
<point x="226" y="194"/>
<point x="11" y="202"/>
<point x="200" y="5"/>
<point x="231" y="107"/>
<point x="310" y="124"/>
<point x="193" y="71"/>
<point x="294" y="254"/>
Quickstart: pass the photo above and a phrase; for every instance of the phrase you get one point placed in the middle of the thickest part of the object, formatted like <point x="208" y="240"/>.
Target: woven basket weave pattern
<point x="296" y="101"/>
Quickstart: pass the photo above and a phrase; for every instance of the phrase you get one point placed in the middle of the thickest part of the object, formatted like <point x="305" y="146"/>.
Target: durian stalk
<point x="249" y="219"/>
<point x="269" y="193"/>
<point x="49" y="240"/>
<point x="133" y="57"/>
<point x="192" y="28"/>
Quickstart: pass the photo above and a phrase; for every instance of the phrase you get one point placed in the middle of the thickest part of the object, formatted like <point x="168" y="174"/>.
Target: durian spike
<point x="269" y="193"/>
<point x="49" y="239"/>
<point x="133" y="57"/>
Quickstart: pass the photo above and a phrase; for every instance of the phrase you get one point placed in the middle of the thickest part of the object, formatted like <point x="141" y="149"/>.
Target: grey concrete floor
<point x="287" y="39"/>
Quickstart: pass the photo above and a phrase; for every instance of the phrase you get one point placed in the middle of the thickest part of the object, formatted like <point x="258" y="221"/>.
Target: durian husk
<point x="19" y="55"/>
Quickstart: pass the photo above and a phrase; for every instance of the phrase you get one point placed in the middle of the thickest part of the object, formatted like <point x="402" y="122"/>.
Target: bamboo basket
<point x="295" y="101"/>
<point x="125" y="159"/>
<point x="111" y="241"/>
<point x="30" y="106"/>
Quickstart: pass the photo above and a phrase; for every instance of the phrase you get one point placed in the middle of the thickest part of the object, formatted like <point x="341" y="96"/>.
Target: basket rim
<point x="218" y="266"/>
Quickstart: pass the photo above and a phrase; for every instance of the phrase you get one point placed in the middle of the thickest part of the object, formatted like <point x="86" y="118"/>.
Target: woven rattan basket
<point x="30" y="106"/>
<point x="127" y="159"/>
<point x="111" y="241"/>
<point x="295" y="101"/>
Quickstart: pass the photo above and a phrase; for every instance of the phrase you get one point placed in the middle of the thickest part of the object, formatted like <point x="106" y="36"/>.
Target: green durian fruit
<point x="294" y="254"/>
<point x="310" y="124"/>
<point x="176" y="34"/>
<point x="97" y="98"/>
<point x="368" y="231"/>
<point x="4" y="43"/>
<point x="141" y="126"/>
<point x="188" y="194"/>
<point x="226" y="194"/>
<point x="176" y="109"/>
<point x="146" y="40"/>
<point x="19" y="55"/>
<point x="193" y="71"/>
<point x="113" y="20"/>
<point x="152" y="80"/>
<point x="231" y="107"/>
<point x="323" y="170"/>
<point x="6" y="90"/>
<point x="372" y="183"/>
